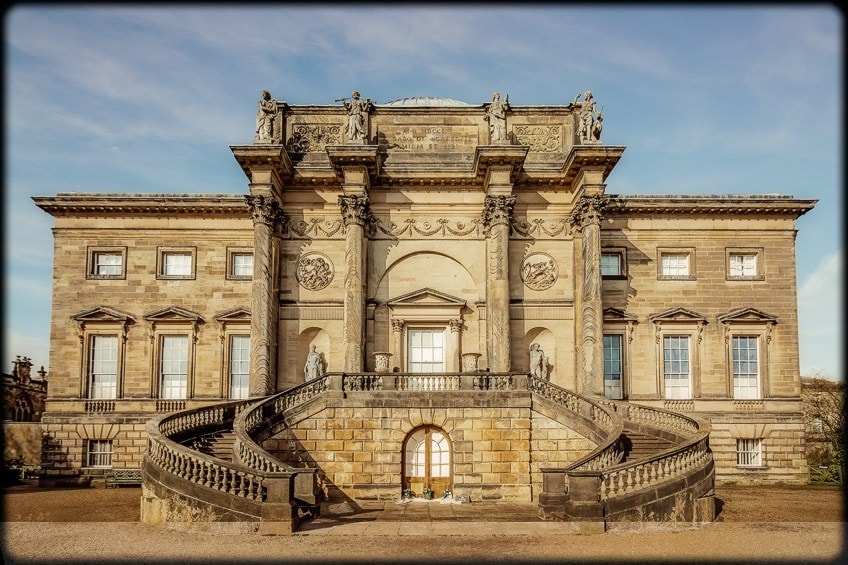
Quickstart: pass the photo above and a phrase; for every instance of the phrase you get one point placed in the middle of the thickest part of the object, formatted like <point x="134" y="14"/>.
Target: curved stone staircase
<point x="206" y="468"/>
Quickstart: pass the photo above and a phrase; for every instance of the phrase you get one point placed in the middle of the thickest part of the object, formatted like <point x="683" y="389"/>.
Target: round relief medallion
<point x="314" y="271"/>
<point x="539" y="271"/>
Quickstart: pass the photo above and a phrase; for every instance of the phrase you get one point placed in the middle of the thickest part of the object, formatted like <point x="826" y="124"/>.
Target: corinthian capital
<point x="264" y="210"/>
<point x="498" y="210"/>
<point x="355" y="210"/>
<point x="588" y="211"/>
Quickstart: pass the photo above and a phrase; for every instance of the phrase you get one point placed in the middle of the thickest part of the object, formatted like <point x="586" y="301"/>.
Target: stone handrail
<point x="430" y="382"/>
<point x="596" y="415"/>
<point x="165" y="451"/>
<point x="679" y="424"/>
<point x="257" y="423"/>
<point x="627" y="478"/>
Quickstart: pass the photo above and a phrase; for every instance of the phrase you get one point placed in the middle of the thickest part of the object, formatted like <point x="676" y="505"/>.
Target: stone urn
<point x="381" y="361"/>
<point x="469" y="362"/>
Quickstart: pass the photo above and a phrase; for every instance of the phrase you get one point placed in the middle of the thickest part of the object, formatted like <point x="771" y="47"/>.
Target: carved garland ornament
<point x="539" y="271"/>
<point x="314" y="271"/>
<point x="543" y="139"/>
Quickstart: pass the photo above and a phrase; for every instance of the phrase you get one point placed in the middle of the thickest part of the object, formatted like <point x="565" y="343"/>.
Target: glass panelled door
<point x="427" y="461"/>
<point x="426" y="351"/>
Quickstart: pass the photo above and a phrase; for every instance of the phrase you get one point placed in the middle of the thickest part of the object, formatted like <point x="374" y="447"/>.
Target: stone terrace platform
<point x="420" y="517"/>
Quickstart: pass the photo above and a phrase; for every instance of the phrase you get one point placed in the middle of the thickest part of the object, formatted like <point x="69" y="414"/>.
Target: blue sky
<point x="707" y="100"/>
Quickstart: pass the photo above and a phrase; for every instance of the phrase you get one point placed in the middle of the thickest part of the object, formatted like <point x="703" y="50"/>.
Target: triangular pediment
<point x="617" y="315"/>
<point x="677" y="315"/>
<point x="173" y="314"/>
<point x="747" y="315"/>
<point x="426" y="297"/>
<point x="234" y="315"/>
<point x="103" y="314"/>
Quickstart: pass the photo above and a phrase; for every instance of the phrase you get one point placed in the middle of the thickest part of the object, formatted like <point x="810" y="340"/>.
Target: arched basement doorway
<point x="427" y="461"/>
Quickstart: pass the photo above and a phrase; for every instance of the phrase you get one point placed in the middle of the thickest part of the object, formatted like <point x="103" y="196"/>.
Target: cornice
<point x="90" y="204"/>
<point x="619" y="205"/>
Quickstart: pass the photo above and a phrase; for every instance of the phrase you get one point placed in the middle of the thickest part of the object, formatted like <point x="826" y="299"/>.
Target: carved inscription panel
<point x="421" y="138"/>
<point x="540" y="138"/>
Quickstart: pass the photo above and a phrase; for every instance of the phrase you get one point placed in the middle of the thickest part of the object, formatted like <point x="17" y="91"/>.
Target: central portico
<point x="441" y="240"/>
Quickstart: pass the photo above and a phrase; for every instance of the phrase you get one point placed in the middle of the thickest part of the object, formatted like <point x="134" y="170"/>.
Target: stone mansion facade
<point x="425" y="236"/>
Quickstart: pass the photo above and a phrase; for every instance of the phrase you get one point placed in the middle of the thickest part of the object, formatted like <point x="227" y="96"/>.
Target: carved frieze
<point x="539" y="227"/>
<point x="542" y="139"/>
<point x="313" y="228"/>
<point x="539" y="271"/>
<point x="441" y="227"/>
<point x="310" y="138"/>
<point x="314" y="271"/>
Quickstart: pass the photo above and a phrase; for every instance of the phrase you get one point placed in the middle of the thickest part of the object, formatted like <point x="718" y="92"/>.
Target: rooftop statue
<point x="590" y="120"/>
<point x="356" y="130"/>
<point x="496" y="116"/>
<point x="265" y="120"/>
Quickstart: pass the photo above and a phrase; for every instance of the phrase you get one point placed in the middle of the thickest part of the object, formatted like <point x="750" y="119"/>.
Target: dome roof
<point x="425" y="101"/>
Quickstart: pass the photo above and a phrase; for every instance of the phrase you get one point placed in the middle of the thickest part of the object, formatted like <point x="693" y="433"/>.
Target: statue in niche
<point x="590" y="120"/>
<point x="314" y="367"/>
<point x="539" y="365"/>
<point x="496" y="116"/>
<point x="265" y="119"/>
<point x="356" y="112"/>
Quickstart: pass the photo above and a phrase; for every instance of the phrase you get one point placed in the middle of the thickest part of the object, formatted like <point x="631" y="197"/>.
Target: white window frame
<point x="98" y="453"/>
<point x="238" y="366"/>
<point x="103" y="371"/>
<point x="232" y="263"/>
<point x="410" y="362"/>
<point x="741" y="369"/>
<point x="672" y="372"/>
<point x="95" y="254"/>
<point x="164" y="253"/>
<point x="170" y="365"/>
<point x="755" y="272"/>
<point x="612" y="390"/>
<point x="666" y="271"/>
<point x="749" y="452"/>
<point x="621" y="257"/>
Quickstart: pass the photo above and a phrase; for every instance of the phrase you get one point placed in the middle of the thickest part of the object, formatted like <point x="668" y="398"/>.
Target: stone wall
<point x="496" y="449"/>
<point x="783" y="449"/>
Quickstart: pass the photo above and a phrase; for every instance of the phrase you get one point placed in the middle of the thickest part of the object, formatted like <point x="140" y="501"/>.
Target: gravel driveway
<point x="755" y="524"/>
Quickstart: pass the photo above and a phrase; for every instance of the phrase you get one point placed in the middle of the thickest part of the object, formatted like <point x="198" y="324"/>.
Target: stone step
<point x="218" y="445"/>
<point x="639" y="445"/>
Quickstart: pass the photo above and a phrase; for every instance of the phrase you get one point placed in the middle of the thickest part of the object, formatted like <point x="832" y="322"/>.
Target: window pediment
<point x="677" y="315"/>
<point x="617" y="315"/>
<point x="103" y="314"/>
<point x="174" y="314"/>
<point x="747" y="315"/>
<point x="426" y="297"/>
<point x="234" y="315"/>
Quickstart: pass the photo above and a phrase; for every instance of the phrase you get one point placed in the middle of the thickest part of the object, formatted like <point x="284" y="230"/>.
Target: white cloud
<point x="820" y="317"/>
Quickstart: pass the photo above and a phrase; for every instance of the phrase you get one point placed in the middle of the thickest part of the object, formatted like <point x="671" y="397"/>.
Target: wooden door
<point x="427" y="461"/>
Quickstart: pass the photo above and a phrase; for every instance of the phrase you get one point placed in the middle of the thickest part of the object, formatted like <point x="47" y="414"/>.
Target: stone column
<point x="452" y="365"/>
<point x="356" y="214"/>
<point x="266" y="214"/>
<point x="497" y="216"/>
<point x="397" y="341"/>
<point x="586" y="218"/>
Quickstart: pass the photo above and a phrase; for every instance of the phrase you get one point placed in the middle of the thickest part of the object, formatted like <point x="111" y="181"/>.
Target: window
<point x="174" y="366"/>
<point x="745" y="264"/>
<point x="612" y="366"/>
<point x="176" y="263"/>
<point x="426" y="351"/>
<point x="106" y="262"/>
<point x="749" y="453"/>
<point x="676" y="366"/>
<point x="611" y="265"/>
<point x="241" y="265"/>
<point x="103" y="367"/>
<point x="99" y="453"/>
<point x="746" y="373"/>
<point x="239" y="365"/>
<point x="675" y="264"/>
